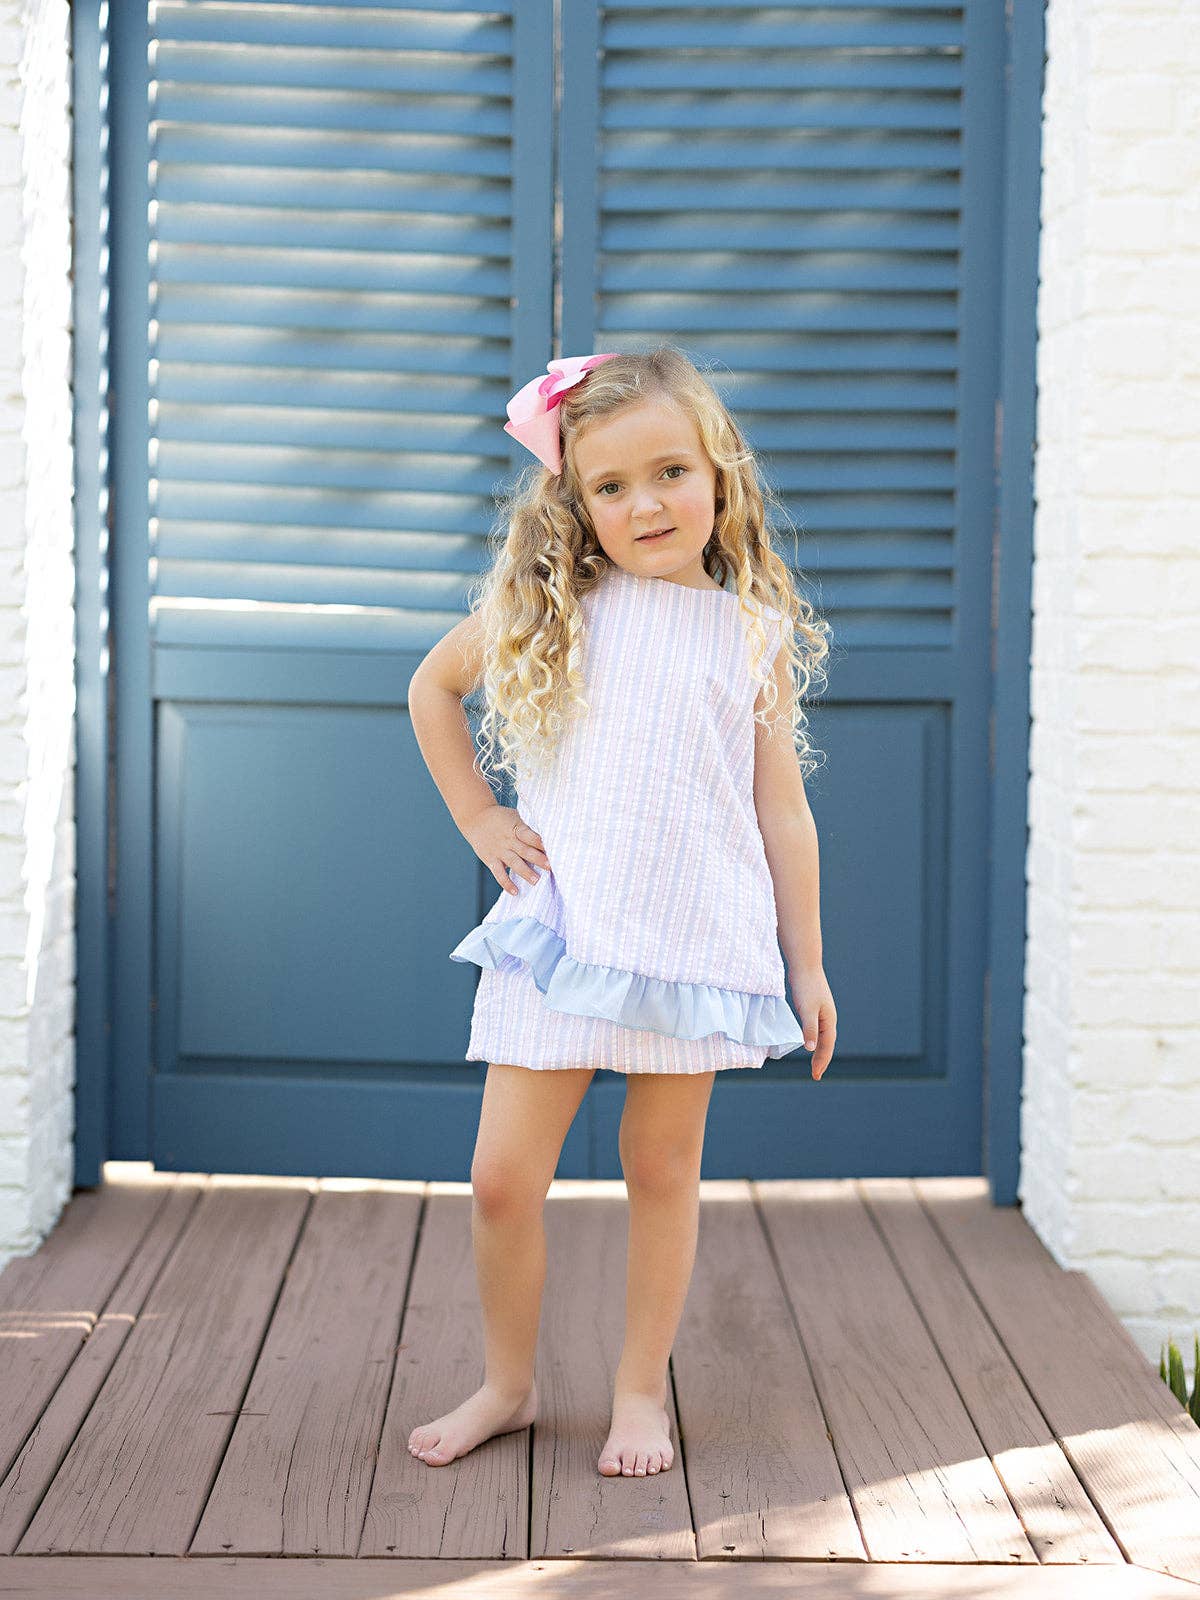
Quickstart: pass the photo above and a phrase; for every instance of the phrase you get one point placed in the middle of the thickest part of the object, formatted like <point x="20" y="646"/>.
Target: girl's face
<point x="644" y="469"/>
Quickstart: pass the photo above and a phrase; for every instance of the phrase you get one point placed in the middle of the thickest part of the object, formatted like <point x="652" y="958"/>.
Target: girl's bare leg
<point x="522" y="1124"/>
<point x="661" y="1143"/>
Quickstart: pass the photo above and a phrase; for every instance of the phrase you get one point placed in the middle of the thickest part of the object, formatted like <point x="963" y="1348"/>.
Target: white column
<point x="37" y="646"/>
<point x="1111" y="1104"/>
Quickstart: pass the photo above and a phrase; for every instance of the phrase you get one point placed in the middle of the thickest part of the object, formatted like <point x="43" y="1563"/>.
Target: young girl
<point x="662" y="852"/>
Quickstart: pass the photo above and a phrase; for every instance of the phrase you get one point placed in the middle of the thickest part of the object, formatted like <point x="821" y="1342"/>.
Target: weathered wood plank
<point x="137" y="1474"/>
<point x="296" y="1476"/>
<point x="763" y="1478"/>
<point x="1136" y="1451"/>
<point x="48" y="1442"/>
<point x="50" y="1299"/>
<point x="922" y="1483"/>
<point x="477" y="1506"/>
<point x="247" y="1578"/>
<point x="1062" y="1523"/>
<point x="576" y="1509"/>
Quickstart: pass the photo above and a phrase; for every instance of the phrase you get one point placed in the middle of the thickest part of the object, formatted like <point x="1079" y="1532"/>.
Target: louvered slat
<point x="332" y="283"/>
<point x="780" y="191"/>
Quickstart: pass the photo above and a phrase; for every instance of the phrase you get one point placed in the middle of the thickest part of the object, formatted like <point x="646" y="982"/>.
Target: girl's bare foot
<point x="485" y="1413"/>
<point x="639" y="1441"/>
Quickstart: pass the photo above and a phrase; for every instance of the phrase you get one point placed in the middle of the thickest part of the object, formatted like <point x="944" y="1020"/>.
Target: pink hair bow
<point x="533" y="410"/>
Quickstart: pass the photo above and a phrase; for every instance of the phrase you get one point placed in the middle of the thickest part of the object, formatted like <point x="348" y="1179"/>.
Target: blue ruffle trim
<point x="683" y="1010"/>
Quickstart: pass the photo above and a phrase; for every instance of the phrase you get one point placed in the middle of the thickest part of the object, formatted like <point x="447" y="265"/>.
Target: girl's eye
<point x="676" y="468"/>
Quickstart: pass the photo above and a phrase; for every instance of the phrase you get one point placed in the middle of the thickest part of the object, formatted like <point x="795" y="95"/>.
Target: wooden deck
<point x="875" y="1383"/>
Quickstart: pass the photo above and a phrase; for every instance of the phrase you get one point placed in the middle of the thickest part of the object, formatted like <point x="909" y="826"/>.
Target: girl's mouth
<point x="643" y="538"/>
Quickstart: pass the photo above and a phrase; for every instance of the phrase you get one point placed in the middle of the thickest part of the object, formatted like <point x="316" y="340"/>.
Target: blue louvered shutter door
<point x="343" y="202"/>
<point x="806" y="198"/>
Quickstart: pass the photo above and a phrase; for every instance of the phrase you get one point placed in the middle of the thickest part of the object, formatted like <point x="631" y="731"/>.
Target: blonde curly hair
<point x="546" y="557"/>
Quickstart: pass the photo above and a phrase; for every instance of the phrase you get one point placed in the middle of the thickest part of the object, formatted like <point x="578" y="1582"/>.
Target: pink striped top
<point x="658" y="909"/>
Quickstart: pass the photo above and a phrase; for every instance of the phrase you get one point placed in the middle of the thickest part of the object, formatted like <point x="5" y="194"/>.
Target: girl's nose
<point x="647" y="505"/>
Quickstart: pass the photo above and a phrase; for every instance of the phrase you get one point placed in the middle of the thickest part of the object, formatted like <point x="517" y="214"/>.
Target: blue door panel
<point x="302" y="915"/>
<point x="420" y="1127"/>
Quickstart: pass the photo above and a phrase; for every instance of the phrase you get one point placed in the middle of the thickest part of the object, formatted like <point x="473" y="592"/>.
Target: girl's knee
<point x="662" y="1167"/>
<point x="505" y="1188"/>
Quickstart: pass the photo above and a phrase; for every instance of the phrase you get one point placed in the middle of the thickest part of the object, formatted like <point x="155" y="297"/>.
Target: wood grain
<point x="244" y="1578"/>
<point x="50" y="1437"/>
<point x="923" y="1485"/>
<point x="50" y="1300"/>
<point x="578" y="1510"/>
<point x="136" y="1477"/>
<point x="1129" y="1442"/>
<point x="477" y="1506"/>
<point x="1060" y="1519"/>
<point x="297" y="1473"/>
<point x="763" y="1478"/>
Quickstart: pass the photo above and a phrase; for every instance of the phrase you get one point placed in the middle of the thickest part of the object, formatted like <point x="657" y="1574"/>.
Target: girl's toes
<point x="609" y="1465"/>
<point x="653" y="1464"/>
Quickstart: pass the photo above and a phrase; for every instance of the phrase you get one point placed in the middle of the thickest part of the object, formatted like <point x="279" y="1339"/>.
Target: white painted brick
<point x="36" y="624"/>
<point x="1187" y="350"/>
<point x="1153" y="1113"/>
<point x="1153" y="1232"/>
<point x="1130" y="48"/>
<point x="1142" y="405"/>
<point x="1115" y="346"/>
<point x="1187" y="229"/>
<point x="1181" y="1290"/>
<point x="1183" y="468"/>
<point x="1134" y="223"/>
<point x="1110" y="1098"/>
<point x="1156" y="165"/>
<point x="1124" y="467"/>
<point x="14" y="1103"/>
<point x="1131" y="102"/>
<point x="1105" y="700"/>
<point x="1119" y="880"/>
<point x="1127" y="1283"/>
<point x="14" y="1162"/>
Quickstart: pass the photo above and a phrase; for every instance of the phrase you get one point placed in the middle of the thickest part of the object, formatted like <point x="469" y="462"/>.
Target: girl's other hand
<point x="506" y="845"/>
<point x="817" y="1013"/>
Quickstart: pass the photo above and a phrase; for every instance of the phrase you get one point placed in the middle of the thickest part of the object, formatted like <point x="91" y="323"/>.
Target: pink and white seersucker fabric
<point x="651" y="943"/>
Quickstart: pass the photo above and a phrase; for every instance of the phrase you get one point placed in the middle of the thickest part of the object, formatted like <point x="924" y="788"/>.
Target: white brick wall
<point x="37" y="642"/>
<point x="1111" y="1102"/>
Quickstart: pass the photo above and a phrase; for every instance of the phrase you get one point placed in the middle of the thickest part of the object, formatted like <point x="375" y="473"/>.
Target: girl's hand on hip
<point x="817" y="1013"/>
<point x="506" y="845"/>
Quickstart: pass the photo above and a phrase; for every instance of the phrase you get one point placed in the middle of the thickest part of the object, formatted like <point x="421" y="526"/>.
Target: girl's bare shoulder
<point x="456" y="660"/>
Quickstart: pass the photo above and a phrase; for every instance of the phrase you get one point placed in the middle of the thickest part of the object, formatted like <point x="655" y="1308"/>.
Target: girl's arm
<point x="498" y="834"/>
<point x="790" y="841"/>
<point x="789" y="833"/>
<point x="435" y="697"/>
